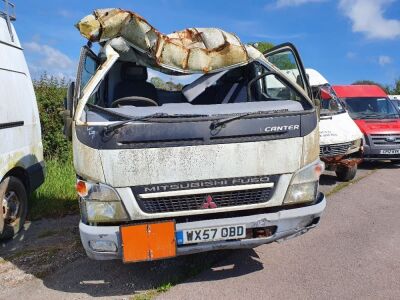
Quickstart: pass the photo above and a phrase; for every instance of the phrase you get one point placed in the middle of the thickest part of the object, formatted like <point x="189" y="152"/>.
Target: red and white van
<point x="377" y="118"/>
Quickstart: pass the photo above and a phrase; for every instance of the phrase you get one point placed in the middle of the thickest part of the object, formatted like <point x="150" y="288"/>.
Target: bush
<point x="50" y="94"/>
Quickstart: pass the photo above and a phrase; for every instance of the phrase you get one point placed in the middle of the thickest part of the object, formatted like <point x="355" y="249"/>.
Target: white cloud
<point x="68" y="14"/>
<point x="289" y="3"/>
<point x="351" y="55"/>
<point x="384" y="60"/>
<point x="46" y="59"/>
<point x="367" y="16"/>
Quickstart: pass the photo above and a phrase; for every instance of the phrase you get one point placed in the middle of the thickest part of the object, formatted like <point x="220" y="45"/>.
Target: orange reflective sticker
<point x="145" y="242"/>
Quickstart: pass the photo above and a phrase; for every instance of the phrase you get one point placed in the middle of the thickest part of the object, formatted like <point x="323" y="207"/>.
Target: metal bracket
<point x="9" y="16"/>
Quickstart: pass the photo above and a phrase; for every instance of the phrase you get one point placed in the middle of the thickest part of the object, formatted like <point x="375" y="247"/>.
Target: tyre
<point x="346" y="173"/>
<point x="14" y="207"/>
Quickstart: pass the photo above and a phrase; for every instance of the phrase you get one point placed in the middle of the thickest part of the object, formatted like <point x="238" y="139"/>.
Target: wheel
<point x="346" y="173"/>
<point x="14" y="207"/>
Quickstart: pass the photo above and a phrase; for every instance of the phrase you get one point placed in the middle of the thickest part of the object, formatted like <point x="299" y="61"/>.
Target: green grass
<point x="57" y="196"/>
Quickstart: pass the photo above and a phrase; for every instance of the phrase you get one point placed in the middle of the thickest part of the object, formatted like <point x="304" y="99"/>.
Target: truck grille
<point x="203" y="202"/>
<point x="385" y="139"/>
<point x="334" y="149"/>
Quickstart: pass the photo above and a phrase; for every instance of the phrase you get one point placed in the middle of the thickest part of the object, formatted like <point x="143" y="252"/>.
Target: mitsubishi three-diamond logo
<point x="209" y="203"/>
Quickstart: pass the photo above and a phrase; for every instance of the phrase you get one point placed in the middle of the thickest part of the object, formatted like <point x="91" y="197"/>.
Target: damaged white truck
<point x="341" y="141"/>
<point x="224" y="163"/>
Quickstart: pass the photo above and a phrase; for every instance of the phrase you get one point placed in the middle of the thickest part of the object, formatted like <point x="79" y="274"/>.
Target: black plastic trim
<point x="11" y="124"/>
<point x="190" y="133"/>
<point x="36" y="175"/>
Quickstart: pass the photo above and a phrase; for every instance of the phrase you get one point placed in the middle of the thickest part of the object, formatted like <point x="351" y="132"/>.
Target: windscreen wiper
<point x="218" y="123"/>
<point x="111" y="128"/>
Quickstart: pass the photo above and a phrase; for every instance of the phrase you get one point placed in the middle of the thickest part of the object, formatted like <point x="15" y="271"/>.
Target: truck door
<point x="88" y="65"/>
<point x="287" y="59"/>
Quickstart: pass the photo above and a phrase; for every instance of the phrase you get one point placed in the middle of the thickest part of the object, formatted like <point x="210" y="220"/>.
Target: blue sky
<point x="346" y="40"/>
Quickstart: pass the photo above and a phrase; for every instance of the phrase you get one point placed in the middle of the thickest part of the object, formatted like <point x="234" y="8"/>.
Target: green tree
<point x="50" y="94"/>
<point x="396" y="88"/>
<point x="262" y="46"/>
<point x="283" y="61"/>
<point x="166" y="86"/>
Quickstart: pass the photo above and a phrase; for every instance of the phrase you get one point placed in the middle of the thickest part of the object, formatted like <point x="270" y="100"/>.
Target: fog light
<point x="103" y="246"/>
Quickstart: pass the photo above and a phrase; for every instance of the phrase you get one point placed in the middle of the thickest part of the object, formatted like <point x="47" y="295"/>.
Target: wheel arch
<point x="21" y="174"/>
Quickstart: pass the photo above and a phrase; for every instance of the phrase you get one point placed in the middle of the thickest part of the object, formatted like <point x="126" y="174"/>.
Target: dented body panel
<point x="192" y="50"/>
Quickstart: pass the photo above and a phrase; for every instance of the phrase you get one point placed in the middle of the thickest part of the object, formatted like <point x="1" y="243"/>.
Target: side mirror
<point x="68" y="113"/>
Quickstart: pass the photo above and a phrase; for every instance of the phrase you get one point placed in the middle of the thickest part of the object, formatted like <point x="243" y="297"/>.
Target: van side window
<point x="87" y="69"/>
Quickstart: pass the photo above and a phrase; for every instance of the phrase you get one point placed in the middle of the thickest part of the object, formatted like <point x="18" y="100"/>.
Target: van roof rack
<point x="9" y="14"/>
<point x="8" y="11"/>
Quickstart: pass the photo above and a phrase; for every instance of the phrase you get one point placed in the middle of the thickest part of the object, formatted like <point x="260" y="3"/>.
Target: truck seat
<point x="134" y="83"/>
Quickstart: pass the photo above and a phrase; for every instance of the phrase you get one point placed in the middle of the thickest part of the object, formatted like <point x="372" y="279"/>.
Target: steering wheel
<point x="134" y="101"/>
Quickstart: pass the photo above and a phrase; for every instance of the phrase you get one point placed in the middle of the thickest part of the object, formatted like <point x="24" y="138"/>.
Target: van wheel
<point x="14" y="206"/>
<point x="346" y="173"/>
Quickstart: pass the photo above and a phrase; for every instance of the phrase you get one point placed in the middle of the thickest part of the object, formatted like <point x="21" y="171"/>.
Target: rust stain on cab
<point x="195" y="49"/>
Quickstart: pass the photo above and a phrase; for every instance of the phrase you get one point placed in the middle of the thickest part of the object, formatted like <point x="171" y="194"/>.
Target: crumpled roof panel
<point x="192" y="50"/>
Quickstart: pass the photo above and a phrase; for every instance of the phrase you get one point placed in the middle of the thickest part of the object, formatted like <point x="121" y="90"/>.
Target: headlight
<point x="100" y="203"/>
<point x="356" y="144"/>
<point x="304" y="185"/>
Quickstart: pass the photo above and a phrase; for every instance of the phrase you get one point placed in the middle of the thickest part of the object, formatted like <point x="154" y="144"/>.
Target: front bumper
<point x="374" y="153"/>
<point x="289" y="223"/>
<point x="348" y="160"/>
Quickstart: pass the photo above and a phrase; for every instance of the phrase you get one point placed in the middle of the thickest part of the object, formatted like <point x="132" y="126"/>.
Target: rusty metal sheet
<point x="341" y="160"/>
<point x="192" y="50"/>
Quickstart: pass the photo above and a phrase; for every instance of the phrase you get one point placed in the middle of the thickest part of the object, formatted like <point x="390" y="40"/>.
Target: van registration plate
<point x="393" y="151"/>
<point x="210" y="234"/>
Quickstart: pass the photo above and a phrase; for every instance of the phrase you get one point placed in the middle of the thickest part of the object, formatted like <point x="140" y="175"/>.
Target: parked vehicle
<point x="340" y="137"/>
<point x="225" y="163"/>
<point x="395" y="100"/>
<point x="377" y="118"/>
<point x="21" y="151"/>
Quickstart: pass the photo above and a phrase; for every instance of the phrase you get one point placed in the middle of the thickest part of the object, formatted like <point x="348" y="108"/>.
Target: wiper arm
<point x="110" y="112"/>
<point x="216" y="124"/>
<point x="111" y="128"/>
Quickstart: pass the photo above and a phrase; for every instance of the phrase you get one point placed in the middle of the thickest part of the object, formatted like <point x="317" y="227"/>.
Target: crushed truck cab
<point x="230" y="160"/>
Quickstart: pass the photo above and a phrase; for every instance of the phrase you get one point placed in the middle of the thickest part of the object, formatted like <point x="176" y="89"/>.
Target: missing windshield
<point x="138" y="92"/>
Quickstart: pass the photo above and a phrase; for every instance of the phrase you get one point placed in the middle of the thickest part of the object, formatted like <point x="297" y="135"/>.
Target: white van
<point x="21" y="150"/>
<point x="340" y="137"/>
<point x="395" y="100"/>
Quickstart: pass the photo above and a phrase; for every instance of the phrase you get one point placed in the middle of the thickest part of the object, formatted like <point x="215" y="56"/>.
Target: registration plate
<point x="390" y="152"/>
<point x="210" y="234"/>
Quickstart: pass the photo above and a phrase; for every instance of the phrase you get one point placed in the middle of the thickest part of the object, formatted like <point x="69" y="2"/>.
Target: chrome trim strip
<point x="207" y="190"/>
